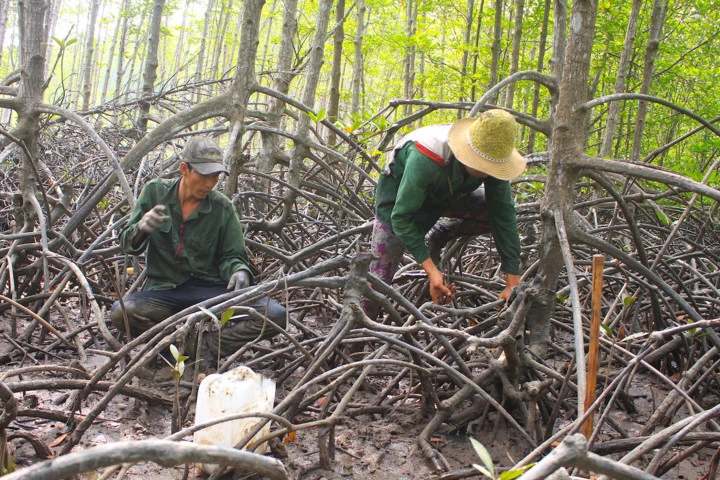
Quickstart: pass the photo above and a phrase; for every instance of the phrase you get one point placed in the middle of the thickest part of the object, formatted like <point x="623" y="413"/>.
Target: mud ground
<point x="373" y="447"/>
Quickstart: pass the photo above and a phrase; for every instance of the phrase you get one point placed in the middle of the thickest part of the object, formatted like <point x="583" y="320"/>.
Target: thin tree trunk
<point x="620" y="81"/>
<point x="411" y="12"/>
<point x="271" y="152"/>
<point x="200" y="69"/>
<point x="54" y="10"/>
<point x="111" y="53"/>
<point x="336" y="69"/>
<point x="560" y="185"/>
<point x="556" y="207"/>
<point x="557" y="62"/>
<point x="180" y="53"/>
<point x="242" y="87"/>
<point x="32" y="23"/>
<point x="151" y="66"/>
<point x="495" y="48"/>
<point x="517" y="46"/>
<point x="236" y="36"/>
<point x="121" y="52"/>
<point x="467" y="34"/>
<point x="267" y="43"/>
<point x="358" y="62"/>
<point x="137" y="45"/>
<point x="3" y="22"/>
<point x="478" y="30"/>
<point x="540" y="68"/>
<point x="651" y="51"/>
<point x="220" y="43"/>
<point x="88" y="62"/>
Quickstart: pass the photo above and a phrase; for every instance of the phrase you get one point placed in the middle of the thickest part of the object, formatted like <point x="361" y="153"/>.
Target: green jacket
<point x="416" y="192"/>
<point x="208" y="245"/>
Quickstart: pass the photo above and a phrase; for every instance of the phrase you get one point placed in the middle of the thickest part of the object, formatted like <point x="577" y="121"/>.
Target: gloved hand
<point x="152" y="219"/>
<point x="239" y="280"/>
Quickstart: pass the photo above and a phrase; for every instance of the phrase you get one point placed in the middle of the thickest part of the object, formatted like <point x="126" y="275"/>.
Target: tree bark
<point x="467" y="34"/>
<point x="651" y="51"/>
<point x="111" y="54"/>
<point x="411" y="13"/>
<point x="620" y="81"/>
<point x="516" y="49"/>
<point x="199" y="70"/>
<point x="495" y="48"/>
<point x="478" y="29"/>
<point x="271" y="152"/>
<point x="3" y="22"/>
<point x="336" y="69"/>
<point x="540" y="68"/>
<point x="180" y="53"/>
<point x="151" y="66"/>
<point x="358" y="63"/>
<point x="242" y="87"/>
<point x="568" y="140"/>
<point x="88" y="62"/>
<point x="220" y="43"/>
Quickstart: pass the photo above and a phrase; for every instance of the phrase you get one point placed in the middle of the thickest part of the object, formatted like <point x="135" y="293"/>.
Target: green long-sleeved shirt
<point x="417" y="191"/>
<point x="208" y="245"/>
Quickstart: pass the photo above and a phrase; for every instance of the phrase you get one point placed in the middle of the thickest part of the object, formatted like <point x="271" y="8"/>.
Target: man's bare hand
<point x="511" y="281"/>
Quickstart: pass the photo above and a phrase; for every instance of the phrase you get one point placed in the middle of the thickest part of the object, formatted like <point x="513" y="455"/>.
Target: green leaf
<point x="629" y="300"/>
<point x="511" y="474"/>
<point x="175" y="352"/>
<point x="483" y="471"/>
<point x="208" y="313"/>
<point x="70" y="42"/>
<point x="607" y="329"/>
<point x="484" y="456"/>
<point x="227" y="315"/>
<point x="662" y="217"/>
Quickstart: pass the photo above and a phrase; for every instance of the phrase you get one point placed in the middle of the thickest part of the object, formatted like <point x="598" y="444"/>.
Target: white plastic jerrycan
<point x="220" y="395"/>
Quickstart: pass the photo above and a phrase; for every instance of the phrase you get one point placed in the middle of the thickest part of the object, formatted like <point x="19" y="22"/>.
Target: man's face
<point x="475" y="173"/>
<point x="198" y="185"/>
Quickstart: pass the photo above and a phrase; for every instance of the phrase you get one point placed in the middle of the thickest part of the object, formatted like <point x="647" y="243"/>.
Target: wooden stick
<point x="593" y="350"/>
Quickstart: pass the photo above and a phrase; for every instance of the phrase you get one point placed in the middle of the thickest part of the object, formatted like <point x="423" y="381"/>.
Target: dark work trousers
<point x="146" y="309"/>
<point x="465" y="217"/>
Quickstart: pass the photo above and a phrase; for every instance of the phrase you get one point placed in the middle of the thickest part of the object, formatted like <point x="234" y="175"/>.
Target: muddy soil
<point x="367" y="447"/>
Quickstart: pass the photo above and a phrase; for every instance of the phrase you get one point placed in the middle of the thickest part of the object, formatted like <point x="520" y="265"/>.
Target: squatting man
<point x="195" y="250"/>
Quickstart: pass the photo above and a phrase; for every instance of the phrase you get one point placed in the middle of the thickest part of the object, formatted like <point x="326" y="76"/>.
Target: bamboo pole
<point x="593" y="349"/>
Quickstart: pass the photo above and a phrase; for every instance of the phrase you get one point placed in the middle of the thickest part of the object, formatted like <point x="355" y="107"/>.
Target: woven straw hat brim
<point x="458" y="141"/>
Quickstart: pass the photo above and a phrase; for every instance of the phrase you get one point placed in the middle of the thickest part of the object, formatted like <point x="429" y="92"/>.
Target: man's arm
<point x="419" y="177"/>
<point x="503" y="224"/>
<point x="131" y="238"/>
<point x="232" y="254"/>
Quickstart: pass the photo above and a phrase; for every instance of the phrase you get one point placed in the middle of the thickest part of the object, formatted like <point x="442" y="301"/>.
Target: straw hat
<point x="486" y="144"/>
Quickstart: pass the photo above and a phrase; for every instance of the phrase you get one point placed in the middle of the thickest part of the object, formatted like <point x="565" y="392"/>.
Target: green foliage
<point x="317" y="117"/>
<point x="488" y="468"/>
<point x="179" y="367"/>
<point x="219" y="322"/>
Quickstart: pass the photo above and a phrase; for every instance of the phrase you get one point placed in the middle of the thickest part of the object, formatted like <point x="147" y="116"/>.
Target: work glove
<point x="152" y="219"/>
<point x="239" y="280"/>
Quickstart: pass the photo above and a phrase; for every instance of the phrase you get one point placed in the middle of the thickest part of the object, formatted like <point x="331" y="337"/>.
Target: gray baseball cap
<point x="204" y="155"/>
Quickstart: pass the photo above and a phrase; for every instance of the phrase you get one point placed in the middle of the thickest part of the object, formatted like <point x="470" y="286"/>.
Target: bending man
<point x="461" y="171"/>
